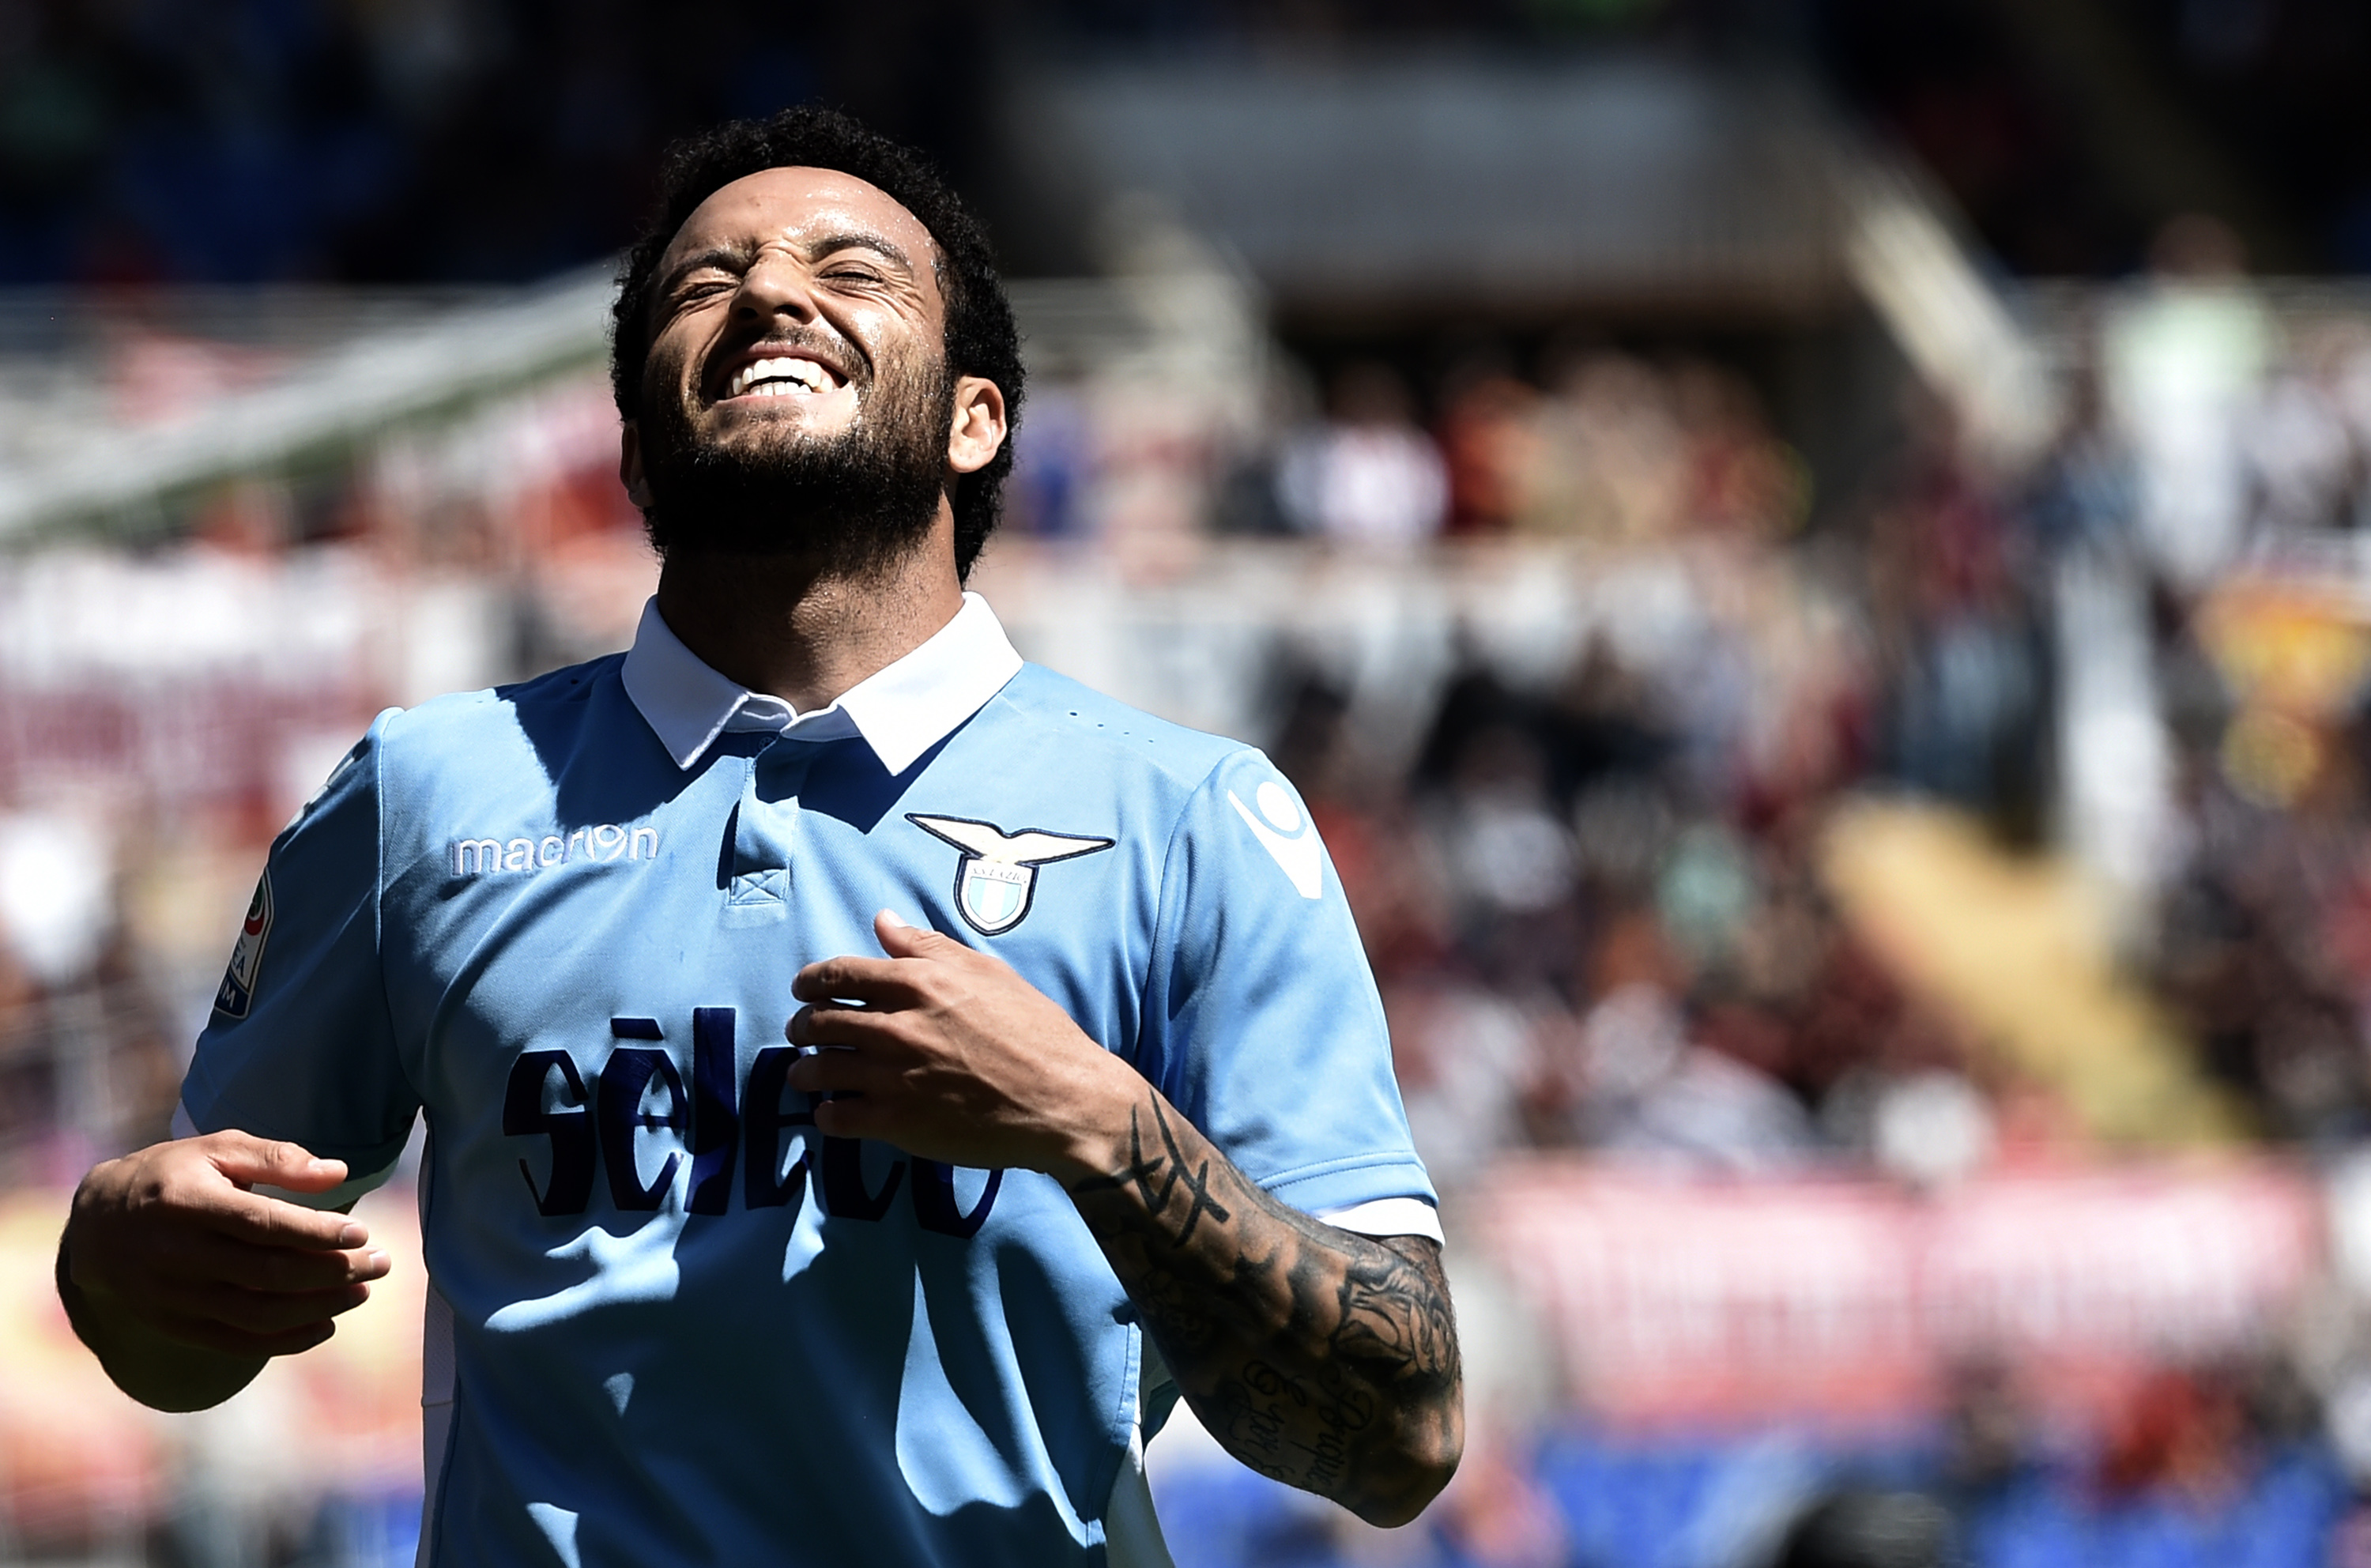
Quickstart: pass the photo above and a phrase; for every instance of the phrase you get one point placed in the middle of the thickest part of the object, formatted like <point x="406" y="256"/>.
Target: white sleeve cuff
<point x="1387" y="1216"/>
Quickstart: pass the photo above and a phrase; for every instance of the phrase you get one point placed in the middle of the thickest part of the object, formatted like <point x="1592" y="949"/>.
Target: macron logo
<point x="476" y="857"/>
<point x="1286" y="835"/>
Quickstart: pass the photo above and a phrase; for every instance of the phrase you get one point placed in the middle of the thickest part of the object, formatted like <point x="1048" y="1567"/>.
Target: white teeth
<point x="779" y="377"/>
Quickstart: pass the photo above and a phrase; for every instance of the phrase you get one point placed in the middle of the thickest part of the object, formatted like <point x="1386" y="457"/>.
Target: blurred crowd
<point x="2207" y="1470"/>
<point x="267" y="140"/>
<point x="1632" y="910"/>
<point x="443" y="141"/>
<point x="1598" y="907"/>
<point x="1595" y="908"/>
<point x="1607" y="446"/>
<point x="478" y="141"/>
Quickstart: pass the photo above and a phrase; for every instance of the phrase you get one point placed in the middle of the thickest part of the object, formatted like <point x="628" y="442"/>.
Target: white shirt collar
<point x="901" y="712"/>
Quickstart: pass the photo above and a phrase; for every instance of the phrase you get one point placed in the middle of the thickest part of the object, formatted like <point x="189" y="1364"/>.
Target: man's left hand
<point x="948" y="1054"/>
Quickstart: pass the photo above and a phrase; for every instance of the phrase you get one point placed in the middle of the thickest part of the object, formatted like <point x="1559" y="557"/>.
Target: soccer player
<point x="867" y="1077"/>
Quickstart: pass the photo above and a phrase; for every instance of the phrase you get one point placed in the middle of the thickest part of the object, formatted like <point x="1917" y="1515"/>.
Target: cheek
<point x="915" y="368"/>
<point x="893" y="338"/>
<point x="674" y="353"/>
<point x="663" y="371"/>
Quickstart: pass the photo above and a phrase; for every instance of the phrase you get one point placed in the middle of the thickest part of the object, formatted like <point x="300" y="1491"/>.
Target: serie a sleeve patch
<point x="237" y="994"/>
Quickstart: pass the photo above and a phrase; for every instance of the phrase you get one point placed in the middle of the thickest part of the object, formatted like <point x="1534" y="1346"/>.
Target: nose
<point x="776" y="285"/>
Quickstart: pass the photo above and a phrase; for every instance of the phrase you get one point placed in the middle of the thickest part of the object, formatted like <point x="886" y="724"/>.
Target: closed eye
<point x="704" y="287"/>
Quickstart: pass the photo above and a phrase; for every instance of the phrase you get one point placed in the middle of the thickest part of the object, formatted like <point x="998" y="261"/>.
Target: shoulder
<point x="509" y="737"/>
<point x="1080" y="727"/>
<point x="468" y="717"/>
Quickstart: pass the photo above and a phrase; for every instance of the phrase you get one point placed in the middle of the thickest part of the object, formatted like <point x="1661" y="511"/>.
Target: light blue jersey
<point x="562" y="918"/>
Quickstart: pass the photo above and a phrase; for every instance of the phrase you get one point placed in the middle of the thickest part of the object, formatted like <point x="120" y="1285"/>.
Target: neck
<point x="782" y="626"/>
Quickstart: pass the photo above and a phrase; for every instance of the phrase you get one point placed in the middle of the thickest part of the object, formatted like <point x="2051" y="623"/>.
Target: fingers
<point x="264" y="1312"/>
<point x="253" y="1161"/>
<point x="838" y="1072"/>
<point x="281" y="1270"/>
<point x="275" y="1222"/>
<point x="170" y="1236"/>
<point x="226" y="1295"/>
<point x="245" y="1162"/>
<point x="849" y="1118"/>
<point x="877" y="982"/>
<point x="830" y="1026"/>
<point x="884" y="981"/>
<point x="212" y="1335"/>
<point x="899" y="940"/>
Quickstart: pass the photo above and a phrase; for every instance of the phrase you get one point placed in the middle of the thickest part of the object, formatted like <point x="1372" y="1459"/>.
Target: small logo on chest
<point x="604" y="841"/>
<point x="997" y="874"/>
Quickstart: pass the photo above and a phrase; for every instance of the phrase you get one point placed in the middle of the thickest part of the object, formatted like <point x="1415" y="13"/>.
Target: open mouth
<point x="782" y="376"/>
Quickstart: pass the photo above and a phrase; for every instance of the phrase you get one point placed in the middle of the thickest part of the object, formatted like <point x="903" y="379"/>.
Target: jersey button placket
<point x="765" y="828"/>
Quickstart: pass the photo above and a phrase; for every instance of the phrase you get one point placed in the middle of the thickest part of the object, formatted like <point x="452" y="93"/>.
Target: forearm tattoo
<point x="1324" y="1359"/>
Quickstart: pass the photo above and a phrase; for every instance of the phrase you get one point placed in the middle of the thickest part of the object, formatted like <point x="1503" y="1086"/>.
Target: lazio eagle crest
<point x="998" y="872"/>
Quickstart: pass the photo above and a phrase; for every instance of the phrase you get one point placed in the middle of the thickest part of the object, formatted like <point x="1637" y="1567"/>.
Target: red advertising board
<point x="1674" y="1298"/>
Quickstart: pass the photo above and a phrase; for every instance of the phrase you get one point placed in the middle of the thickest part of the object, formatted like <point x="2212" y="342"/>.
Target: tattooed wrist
<point x="1324" y="1359"/>
<point x="1158" y="1172"/>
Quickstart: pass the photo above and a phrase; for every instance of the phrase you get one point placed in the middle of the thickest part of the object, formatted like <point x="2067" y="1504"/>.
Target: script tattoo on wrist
<point x="1322" y="1358"/>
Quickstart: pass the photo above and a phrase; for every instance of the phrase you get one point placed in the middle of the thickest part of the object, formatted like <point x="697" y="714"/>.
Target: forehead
<point x="802" y="205"/>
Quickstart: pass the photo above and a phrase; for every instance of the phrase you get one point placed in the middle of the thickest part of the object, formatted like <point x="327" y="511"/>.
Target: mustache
<point x="828" y="347"/>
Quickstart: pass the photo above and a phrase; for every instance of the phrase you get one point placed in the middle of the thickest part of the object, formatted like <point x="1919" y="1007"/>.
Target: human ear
<point x="629" y="466"/>
<point x="978" y="428"/>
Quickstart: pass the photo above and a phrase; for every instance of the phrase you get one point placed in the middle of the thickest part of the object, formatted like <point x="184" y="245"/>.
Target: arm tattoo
<point x="1324" y="1359"/>
<point x="1171" y="1160"/>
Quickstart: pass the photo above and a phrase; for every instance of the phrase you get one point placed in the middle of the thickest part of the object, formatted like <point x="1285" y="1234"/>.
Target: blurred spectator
<point x="1951" y="595"/>
<point x="1485" y="441"/>
<point x="1367" y="477"/>
<point x="1872" y="1530"/>
<point x="1742" y="478"/>
<point x="2301" y="459"/>
<point x="1610" y="460"/>
<point x="1509" y="860"/>
<point x="2184" y="359"/>
<point x="1047" y="495"/>
<point x="1649" y="1093"/>
<point x="2083" y="495"/>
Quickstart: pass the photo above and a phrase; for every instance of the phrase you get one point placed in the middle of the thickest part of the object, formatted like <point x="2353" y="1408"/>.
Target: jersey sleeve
<point x="300" y="1045"/>
<point x="1262" y="1023"/>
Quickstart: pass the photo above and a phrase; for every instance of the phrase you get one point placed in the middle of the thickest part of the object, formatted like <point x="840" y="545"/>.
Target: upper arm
<point x="300" y="1044"/>
<point x="1262" y="1023"/>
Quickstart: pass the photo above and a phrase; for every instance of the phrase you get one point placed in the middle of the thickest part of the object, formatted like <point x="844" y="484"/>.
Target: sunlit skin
<point x="1323" y="1358"/>
<point x="815" y="263"/>
<point x="848" y="277"/>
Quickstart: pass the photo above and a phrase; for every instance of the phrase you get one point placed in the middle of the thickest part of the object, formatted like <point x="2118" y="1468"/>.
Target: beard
<point x="850" y="503"/>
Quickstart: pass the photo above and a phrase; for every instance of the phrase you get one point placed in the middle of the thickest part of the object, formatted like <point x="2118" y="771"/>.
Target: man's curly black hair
<point x="981" y="337"/>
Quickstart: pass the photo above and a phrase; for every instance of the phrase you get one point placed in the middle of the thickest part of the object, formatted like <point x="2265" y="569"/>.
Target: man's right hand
<point x="183" y="1281"/>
